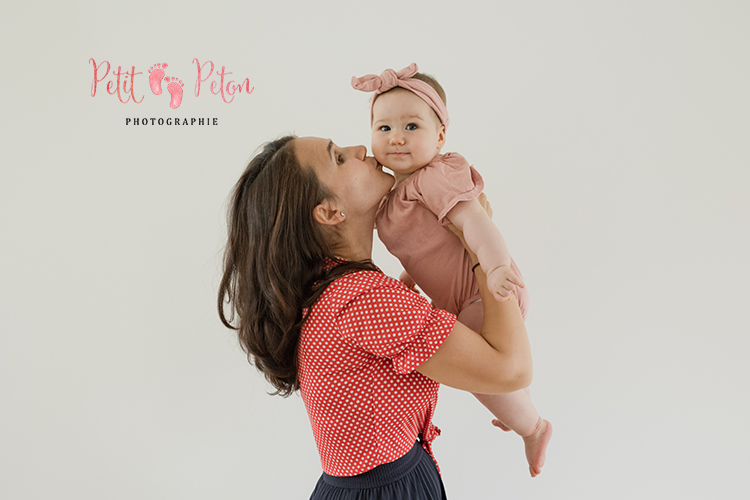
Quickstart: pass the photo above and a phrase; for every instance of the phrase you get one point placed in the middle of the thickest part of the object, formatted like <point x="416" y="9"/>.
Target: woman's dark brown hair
<point x="274" y="260"/>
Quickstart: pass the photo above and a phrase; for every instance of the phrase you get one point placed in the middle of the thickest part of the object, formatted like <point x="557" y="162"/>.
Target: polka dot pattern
<point x="358" y="352"/>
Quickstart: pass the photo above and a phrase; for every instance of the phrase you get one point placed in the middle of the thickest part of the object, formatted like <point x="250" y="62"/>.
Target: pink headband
<point x="389" y="79"/>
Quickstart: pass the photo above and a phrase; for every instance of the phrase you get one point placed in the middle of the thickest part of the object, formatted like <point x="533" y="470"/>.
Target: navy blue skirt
<point x="411" y="477"/>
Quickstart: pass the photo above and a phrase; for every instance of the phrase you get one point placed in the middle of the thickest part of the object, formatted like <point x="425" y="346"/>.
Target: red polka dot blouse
<point x="358" y="352"/>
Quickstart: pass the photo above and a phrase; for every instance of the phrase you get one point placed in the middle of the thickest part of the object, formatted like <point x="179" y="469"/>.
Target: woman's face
<point x="356" y="181"/>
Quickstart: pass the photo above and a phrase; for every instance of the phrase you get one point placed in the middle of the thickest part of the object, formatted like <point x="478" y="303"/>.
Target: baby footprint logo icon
<point x="174" y="85"/>
<point x="156" y="74"/>
<point x="175" y="91"/>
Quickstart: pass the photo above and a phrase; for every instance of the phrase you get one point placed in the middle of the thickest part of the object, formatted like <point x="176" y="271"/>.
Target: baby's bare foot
<point x="536" y="446"/>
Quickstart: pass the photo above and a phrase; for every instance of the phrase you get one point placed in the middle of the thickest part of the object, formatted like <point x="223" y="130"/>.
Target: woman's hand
<point x="408" y="281"/>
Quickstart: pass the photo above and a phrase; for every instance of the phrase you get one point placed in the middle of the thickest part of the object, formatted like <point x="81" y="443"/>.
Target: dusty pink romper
<point x="411" y="223"/>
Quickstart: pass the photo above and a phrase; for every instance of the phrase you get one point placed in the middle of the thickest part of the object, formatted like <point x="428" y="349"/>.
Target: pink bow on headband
<point x="389" y="79"/>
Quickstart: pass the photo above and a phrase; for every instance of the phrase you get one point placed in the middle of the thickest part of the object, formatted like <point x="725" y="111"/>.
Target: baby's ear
<point x="328" y="215"/>
<point x="441" y="136"/>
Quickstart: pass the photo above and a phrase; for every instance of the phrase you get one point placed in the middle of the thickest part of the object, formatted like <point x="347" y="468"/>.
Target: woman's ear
<point x="327" y="214"/>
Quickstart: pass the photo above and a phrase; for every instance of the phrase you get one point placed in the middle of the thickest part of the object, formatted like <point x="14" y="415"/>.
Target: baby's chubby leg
<point x="514" y="411"/>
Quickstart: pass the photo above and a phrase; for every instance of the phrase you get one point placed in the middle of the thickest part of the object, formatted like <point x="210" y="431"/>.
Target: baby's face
<point x="406" y="132"/>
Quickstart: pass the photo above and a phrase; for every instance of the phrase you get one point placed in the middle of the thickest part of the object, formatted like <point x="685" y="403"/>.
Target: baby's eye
<point x="411" y="126"/>
<point x="384" y="128"/>
<point x="339" y="158"/>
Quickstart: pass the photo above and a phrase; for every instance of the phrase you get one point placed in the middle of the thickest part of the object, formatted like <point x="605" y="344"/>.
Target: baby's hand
<point x="406" y="280"/>
<point x="501" y="281"/>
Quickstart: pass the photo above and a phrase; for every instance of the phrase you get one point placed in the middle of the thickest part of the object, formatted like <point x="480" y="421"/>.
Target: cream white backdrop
<point x="613" y="138"/>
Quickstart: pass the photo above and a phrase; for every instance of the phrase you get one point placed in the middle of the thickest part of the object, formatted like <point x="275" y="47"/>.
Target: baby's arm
<point x="485" y="240"/>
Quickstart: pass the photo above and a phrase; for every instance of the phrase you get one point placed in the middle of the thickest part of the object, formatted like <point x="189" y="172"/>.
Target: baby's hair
<point x="429" y="80"/>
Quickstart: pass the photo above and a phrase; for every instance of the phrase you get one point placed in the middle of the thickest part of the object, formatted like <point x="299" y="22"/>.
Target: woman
<point x="314" y="313"/>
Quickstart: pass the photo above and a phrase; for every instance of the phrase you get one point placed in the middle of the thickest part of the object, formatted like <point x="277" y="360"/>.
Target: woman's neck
<point x="354" y="239"/>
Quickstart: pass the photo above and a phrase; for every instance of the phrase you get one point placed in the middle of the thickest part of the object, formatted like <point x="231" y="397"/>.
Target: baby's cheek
<point x="377" y="151"/>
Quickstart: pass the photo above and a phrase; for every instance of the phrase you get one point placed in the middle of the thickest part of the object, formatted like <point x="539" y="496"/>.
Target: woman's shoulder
<point x="358" y="282"/>
<point x="362" y="286"/>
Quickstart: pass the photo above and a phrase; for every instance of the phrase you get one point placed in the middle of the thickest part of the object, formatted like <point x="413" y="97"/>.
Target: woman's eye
<point x="411" y="126"/>
<point x="384" y="128"/>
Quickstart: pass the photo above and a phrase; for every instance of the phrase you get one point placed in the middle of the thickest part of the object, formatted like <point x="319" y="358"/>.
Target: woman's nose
<point x="360" y="152"/>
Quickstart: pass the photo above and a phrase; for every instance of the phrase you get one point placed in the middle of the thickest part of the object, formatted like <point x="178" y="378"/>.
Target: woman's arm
<point x="495" y="360"/>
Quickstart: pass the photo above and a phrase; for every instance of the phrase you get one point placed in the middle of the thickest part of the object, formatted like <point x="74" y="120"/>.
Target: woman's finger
<point x="482" y="199"/>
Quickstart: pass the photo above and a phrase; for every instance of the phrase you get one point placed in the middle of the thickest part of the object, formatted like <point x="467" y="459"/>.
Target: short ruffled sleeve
<point x="391" y="321"/>
<point x="443" y="183"/>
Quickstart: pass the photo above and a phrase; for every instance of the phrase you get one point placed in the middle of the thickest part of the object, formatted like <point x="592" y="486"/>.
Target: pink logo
<point x="118" y="86"/>
<point x="175" y="91"/>
<point x="123" y="84"/>
<point x="174" y="88"/>
<point x="157" y="74"/>
<point x="230" y="89"/>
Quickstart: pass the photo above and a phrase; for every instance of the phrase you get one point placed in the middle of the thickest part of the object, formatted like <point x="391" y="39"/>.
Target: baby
<point x="432" y="190"/>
